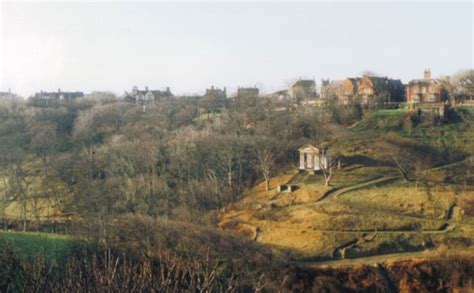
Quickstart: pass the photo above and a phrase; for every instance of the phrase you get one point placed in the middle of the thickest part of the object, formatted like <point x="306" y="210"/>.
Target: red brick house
<point x="368" y="87"/>
<point x="426" y="90"/>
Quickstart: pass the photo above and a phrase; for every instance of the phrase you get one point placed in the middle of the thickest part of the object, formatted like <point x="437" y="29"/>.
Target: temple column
<point x="302" y="166"/>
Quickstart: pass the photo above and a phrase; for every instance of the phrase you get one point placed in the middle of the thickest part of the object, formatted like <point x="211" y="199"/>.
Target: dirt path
<point x="468" y="159"/>
<point x="338" y="191"/>
<point x="448" y="225"/>
<point x="367" y="260"/>
<point x="384" y="258"/>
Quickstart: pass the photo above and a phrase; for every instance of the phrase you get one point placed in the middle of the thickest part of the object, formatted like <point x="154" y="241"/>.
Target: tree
<point x="44" y="141"/>
<point x="460" y="86"/>
<point x="265" y="155"/>
<point x="407" y="156"/>
<point x="20" y="188"/>
<point x="466" y="83"/>
<point x="327" y="168"/>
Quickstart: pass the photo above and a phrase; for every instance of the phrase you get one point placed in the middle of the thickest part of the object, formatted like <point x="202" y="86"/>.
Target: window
<point x="431" y="98"/>
<point x="415" y="98"/>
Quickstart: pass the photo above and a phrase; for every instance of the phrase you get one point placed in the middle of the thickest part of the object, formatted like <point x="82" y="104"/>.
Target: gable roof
<point x="309" y="148"/>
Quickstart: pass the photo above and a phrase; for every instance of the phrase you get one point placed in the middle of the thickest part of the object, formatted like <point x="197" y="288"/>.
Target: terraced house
<point x="48" y="98"/>
<point x="368" y="88"/>
<point x="426" y="90"/>
<point x="247" y="92"/>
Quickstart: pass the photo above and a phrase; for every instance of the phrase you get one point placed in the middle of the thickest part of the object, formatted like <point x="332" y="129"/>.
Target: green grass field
<point x="382" y="120"/>
<point x="30" y="244"/>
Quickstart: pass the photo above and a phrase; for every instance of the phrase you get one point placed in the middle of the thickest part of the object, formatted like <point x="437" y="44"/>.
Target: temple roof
<point x="311" y="149"/>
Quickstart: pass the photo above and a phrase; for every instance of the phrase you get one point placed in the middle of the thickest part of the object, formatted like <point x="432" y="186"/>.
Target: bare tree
<point x="408" y="156"/>
<point x="328" y="170"/>
<point x="466" y="83"/>
<point x="265" y="155"/>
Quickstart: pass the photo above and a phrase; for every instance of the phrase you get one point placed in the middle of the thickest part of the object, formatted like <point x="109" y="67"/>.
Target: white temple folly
<point x="313" y="158"/>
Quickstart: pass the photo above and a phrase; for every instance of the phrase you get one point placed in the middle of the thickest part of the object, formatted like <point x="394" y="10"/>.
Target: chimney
<point x="146" y="88"/>
<point x="427" y="74"/>
<point x="168" y="89"/>
<point x="59" y="91"/>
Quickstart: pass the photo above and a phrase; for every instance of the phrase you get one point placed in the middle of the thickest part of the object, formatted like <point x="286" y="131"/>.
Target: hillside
<point x="368" y="209"/>
<point x="164" y="183"/>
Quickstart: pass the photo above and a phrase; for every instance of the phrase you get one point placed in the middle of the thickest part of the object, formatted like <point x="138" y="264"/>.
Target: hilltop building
<point x="48" y="98"/>
<point x="426" y="90"/>
<point x="247" y="92"/>
<point x="7" y="95"/>
<point x="303" y="89"/>
<point x="59" y="95"/>
<point x="330" y="88"/>
<point x="428" y="96"/>
<point x="214" y="98"/>
<point x="369" y="87"/>
<point x="146" y="96"/>
<point x="216" y="92"/>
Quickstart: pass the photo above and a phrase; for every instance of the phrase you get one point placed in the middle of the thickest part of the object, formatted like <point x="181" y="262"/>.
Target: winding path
<point x="448" y="225"/>
<point x="338" y="191"/>
<point x="378" y="259"/>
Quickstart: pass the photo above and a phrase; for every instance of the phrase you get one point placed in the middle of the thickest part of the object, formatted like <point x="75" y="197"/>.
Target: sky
<point x="189" y="46"/>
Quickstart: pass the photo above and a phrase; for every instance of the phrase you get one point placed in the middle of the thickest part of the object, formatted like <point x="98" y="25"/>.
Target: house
<point x="302" y="89"/>
<point x="428" y="96"/>
<point x="216" y="92"/>
<point x="313" y="158"/>
<point x="48" y="98"/>
<point x="369" y="87"/>
<point x="146" y="96"/>
<point x="7" y="95"/>
<point x="426" y="90"/>
<point x="59" y="95"/>
<point x="247" y="92"/>
<point x="330" y="88"/>
<point x="214" y="98"/>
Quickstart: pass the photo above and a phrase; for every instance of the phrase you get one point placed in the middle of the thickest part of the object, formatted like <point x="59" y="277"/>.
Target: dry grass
<point x="296" y="222"/>
<point x="403" y="198"/>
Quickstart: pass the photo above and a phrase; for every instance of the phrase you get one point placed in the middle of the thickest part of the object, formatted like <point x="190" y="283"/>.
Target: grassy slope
<point x="53" y="246"/>
<point x="295" y="223"/>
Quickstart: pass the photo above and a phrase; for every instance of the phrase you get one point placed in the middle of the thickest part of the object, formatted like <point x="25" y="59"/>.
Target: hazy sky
<point x="189" y="46"/>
